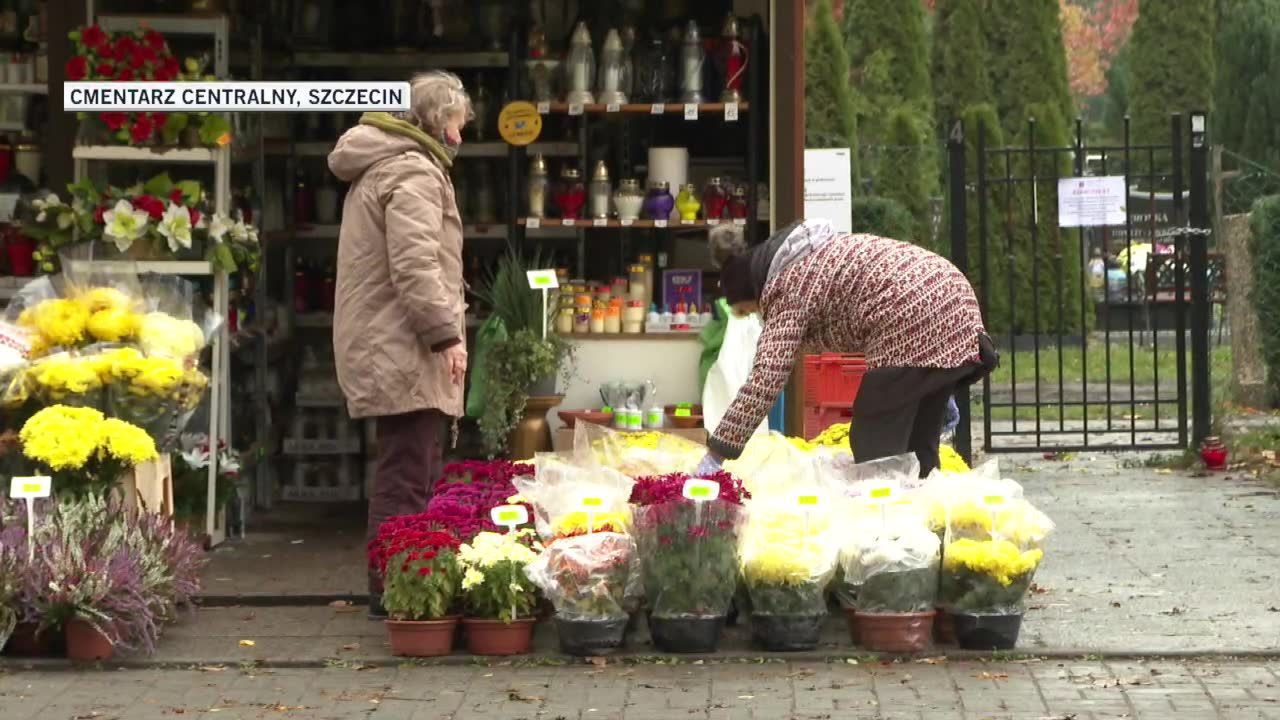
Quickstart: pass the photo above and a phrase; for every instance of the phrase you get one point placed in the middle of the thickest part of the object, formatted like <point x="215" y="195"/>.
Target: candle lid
<point x="538" y="166"/>
<point x="692" y="35"/>
<point x="612" y="41"/>
<point x="571" y="173"/>
<point x="690" y="188"/>
<point x="581" y="35"/>
<point x="601" y="173"/>
<point x="730" y="29"/>
<point x="740" y="191"/>
<point x="646" y="257"/>
<point x="638" y="268"/>
<point x="660" y="185"/>
<point x="629" y="183"/>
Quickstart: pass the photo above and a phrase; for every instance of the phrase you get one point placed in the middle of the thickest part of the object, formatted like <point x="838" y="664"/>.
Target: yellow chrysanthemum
<point x="490" y="548"/>
<point x="785" y="548"/>
<point x="999" y="559"/>
<point x="62" y="375"/>
<point x="158" y="375"/>
<point x="950" y="460"/>
<point x="575" y="523"/>
<point x="163" y="335"/>
<point x="113" y="325"/>
<point x="62" y="437"/>
<point x="103" y="298"/>
<point x="835" y="436"/>
<point x="127" y="442"/>
<point x="1016" y="520"/>
<point x="58" y="322"/>
<point x="472" y="578"/>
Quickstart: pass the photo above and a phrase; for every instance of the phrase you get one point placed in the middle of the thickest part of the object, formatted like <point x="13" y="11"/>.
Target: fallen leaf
<point x="517" y="696"/>
<point x="1174" y="611"/>
<point x="598" y="661"/>
<point x="247" y="643"/>
<point x="212" y="668"/>
<point x="992" y="676"/>
<point x="296" y="542"/>
<point x="351" y="646"/>
<point x="746" y="697"/>
<point x="340" y="604"/>
<point x="801" y="673"/>
<point x="1115" y="604"/>
<point x="1037" y="589"/>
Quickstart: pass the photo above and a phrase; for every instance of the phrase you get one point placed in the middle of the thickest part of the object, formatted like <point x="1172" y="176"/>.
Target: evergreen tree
<point x="960" y="77"/>
<point x="830" y="115"/>
<point x="1246" y="115"/>
<point x="888" y="51"/>
<point x="992" y="286"/>
<point x="1027" y="60"/>
<point x="905" y="173"/>
<point x="1171" y="65"/>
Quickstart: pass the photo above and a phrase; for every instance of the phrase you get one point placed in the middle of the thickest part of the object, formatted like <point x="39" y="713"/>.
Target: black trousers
<point x="410" y="459"/>
<point x="900" y="410"/>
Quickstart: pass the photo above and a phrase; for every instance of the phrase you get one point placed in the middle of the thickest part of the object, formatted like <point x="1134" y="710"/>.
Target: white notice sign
<point x="828" y="189"/>
<point x="1092" y="201"/>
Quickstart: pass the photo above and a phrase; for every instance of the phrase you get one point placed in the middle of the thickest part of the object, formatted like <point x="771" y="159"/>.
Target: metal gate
<point x="1102" y="324"/>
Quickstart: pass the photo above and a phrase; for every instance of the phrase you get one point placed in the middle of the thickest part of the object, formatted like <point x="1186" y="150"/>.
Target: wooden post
<point x="787" y="188"/>
<point x="63" y="16"/>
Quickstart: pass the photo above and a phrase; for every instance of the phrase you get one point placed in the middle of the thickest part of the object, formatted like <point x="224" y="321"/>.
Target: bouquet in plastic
<point x="987" y="577"/>
<point x="890" y="564"/>
<point x="635" y="454"/>
<point x="688" y="547"/>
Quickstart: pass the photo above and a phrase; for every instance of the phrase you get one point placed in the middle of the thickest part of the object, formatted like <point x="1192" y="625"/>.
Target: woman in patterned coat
<point x="910" y="311"/>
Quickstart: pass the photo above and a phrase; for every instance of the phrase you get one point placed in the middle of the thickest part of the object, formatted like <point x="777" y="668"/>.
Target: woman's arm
<point x="414" y="215"/>
<point x="775" y="357"/>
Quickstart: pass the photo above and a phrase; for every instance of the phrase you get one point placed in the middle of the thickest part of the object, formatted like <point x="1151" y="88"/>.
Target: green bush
<point x="906" y="171"/>
<point x="1265" y="224"/>
<point x="830" y="115"/>
<point x="884" y="217"/>
<point x="982" y="119"/>
<point x="1171" y="67"/>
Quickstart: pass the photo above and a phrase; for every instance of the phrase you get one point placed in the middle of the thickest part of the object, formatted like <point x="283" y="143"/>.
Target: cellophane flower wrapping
<point x="889" y="562"/>
<point x="688" y="550"/>
<point x="587" y="577"/>
<point x="561" y="489"/>
<point x="635" y="454"/>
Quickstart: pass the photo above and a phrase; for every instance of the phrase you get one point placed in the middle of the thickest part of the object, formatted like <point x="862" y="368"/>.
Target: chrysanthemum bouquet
<point x="988" y="577"/>
<point x="82" y="449"/>
<point x="891" y="565"/>
<point x="494" y="583"/>
<point x="787" y="559"/>
<point x="586" y="576"/>
<point x="422" y="581"/>
<point x="688" y="548"/>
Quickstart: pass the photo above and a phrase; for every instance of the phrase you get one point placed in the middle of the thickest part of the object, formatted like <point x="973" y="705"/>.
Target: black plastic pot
<point x="686" y="635"/>
<point x="786" y="633"/>
<point x="589" y="638"/>
<point x="986" y="632"/>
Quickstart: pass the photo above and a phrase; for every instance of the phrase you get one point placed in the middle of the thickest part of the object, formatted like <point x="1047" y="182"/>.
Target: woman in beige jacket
<point x="398" y="331"/>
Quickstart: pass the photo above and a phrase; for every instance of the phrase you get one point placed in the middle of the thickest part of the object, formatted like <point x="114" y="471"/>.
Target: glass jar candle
<point x="601" y="188"/>
<point x="658" y="204"/>
<point x="564" y="321"/>
<point x="715" y="201"/>
<point x="613" y="320"/>
<point x="597" y="321"/>
<point x="638" y="289"/>
<point x="688" y="204"/>
<point x="646" y="260"/>
<point x="571" y="195"/>
<point x="537" y="190"/>
<point x="582" y="321"/>
<point x="628" y="200"/>
<point x="738" y="203"/>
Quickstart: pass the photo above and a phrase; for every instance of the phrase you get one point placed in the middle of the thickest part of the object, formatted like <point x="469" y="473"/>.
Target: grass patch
<point x="1075" y="364"/>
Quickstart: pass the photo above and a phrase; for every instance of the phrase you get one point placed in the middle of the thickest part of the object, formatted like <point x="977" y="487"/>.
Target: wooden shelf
<point x="145" y="154"/>
<point x="160" y="267"/>
<point x="24" y="88"/>
<point x="673" y="336"/>
<point x="716" y="108"/>
<point x="321" y="148"/>
<point x="397" y="59"/>
<point x="638" y="224"/>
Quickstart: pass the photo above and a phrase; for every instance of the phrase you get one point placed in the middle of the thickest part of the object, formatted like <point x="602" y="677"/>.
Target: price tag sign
<point x="691" y="111"/>
<point x="688" y="222"/>
<point x="519" y="123"/>
<point x="684" y="412"/>
<point x="628" y="222"/>
<point x="731" y="112"/>
<point x="701" y="490"/>
<point x="592" y="502"/>
<point x="994" y="502"/>
<point x="533" y="223"/>
<point x="659" y="223"/>
<point x="807" y="501"/>
<point x="568" y="222"/>
<point x="739" y="221"/>
<point x="509" y="516"/>
<point x="657" y="109"/>
<point x="613" y="108"/>
<point x="30" y="488"/>
<point x="543" y="279"/>
<point x="575" y="108"/>
<point x="600" y="222"/>
<point x="883" y="493"/>
<point x="544" y="107"/>
<point x="713" y="221"/>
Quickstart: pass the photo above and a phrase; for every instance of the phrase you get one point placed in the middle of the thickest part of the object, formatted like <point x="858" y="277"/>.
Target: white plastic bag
<point x="731" y="368"/>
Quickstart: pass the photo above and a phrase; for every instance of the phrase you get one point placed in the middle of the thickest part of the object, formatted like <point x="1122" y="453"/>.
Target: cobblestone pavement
<point x="921" y="690"/>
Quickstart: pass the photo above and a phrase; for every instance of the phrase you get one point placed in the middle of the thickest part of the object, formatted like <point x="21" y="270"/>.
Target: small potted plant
<point x="497" y="594"/>
<point x="688" y="558"/>
<point x="890" y="573"/>
<point x="983" y="586"/>
<point x="420" y="591"/>
<point x="787" y="561"/>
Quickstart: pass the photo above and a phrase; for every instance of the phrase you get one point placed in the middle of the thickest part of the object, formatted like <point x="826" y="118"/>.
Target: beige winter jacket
<point x="399" y="284"/>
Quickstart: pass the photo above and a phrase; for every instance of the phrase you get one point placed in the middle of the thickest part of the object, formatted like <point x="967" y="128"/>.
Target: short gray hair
<point x="434" y="97"/>
<point x="726" y="241"/>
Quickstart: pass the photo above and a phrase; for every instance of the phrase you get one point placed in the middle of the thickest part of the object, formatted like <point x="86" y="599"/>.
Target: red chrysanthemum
<point x="93" y="37"/>
<point x="104" y="69"/>
<point x="77" y="68"/>
<point x="98" y="215"/>
<point x="114" y="120"/>
<point x="124" y="75"/>
<point x="175" y="196"/>
<point x="124" y="47"/>
<point x="154" y="40"/>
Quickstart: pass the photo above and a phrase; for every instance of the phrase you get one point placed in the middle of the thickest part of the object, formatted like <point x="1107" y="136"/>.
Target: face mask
<point x="450" y="147"/>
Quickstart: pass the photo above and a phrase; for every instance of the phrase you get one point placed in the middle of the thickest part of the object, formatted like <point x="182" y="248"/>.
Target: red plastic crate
<point x="832" y="379"/>
<point x="818" y="419"/>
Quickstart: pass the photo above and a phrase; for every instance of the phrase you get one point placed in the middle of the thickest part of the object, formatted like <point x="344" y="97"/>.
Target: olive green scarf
<point x="391" y="124"/>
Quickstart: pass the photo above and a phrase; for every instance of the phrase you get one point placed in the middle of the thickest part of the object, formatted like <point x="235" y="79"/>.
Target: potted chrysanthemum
<point x="420" y="592"/>
<point x="787" y="559"/>
<point x="497" y="594"/>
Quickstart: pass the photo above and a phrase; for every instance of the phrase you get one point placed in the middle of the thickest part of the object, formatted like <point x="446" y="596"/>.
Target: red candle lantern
<point x="715" y="201"/>
<point x="571" y="195"/>
<point x="1214" y="454"/>
<point x="733" y="60"/>
<point x="738" y="203"/>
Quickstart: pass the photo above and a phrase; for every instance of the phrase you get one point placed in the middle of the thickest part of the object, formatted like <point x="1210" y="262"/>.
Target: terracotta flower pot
<point x="944" y="627"/>
<point x="896" y="632"/>
<point x="494" y="637"/>
<point x="851" y="619"/>
<point x="86" y="642"/>
<point x="421" y="638"/>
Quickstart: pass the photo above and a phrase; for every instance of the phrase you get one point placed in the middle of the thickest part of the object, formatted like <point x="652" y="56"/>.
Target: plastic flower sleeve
<point x="176" y="324"/>
<point x="571" y="500"/>
<point x="987" y="576"/>
<point x="788" y="556"/>
<point x="688" y="556"/>
<point x="637" y="454"/>
<point x="586" y="577"/>
<point x="890" y="563"/>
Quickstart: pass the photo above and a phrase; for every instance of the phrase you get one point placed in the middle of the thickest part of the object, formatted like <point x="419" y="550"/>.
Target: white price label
<point x="657" y="109"/>
<point x="568" y="222"/>
<point x="600" y="222"/>
<point x="38" y="486"/>
<point x="691" y="111"/>
<point x="575" y="108"/>
<point x="533" y="223"/>
<point x="701" y="490"/>
<point x="509" y="516"/>
<point x="659" y="223"/>
<point x="543" y="279"/>
<point x="739" y="221"/>
<point x="713" y="221"/>
<point x="613" y="108"/>
<point x="628" y="222"/>
<point x="687" y="222"/>
<point x="544" y="107"/>
<point x="731" y="112"/>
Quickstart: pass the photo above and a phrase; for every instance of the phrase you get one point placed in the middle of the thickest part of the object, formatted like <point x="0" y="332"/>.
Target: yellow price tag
<point x="684" y="412"/>
<point x="807" y="500"/>
<point x="508" y="515"/>
<point x="881" y="493"/>
<point x="700" y="492"/>
<point x="993" y="500"/>
<point x="592" y="502"/>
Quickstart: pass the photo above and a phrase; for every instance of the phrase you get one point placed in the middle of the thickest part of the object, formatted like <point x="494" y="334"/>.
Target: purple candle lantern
<point x="659" y="203"/>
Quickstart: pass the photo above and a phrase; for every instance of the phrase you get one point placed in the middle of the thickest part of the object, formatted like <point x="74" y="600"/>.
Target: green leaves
<point x="160" y="186"/>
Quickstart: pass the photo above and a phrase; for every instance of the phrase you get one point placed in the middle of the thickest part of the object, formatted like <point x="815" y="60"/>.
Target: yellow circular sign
<point x="519" y="123"/>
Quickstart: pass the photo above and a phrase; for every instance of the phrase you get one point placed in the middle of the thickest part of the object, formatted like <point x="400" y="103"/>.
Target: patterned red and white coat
<point x="900" y="305"/>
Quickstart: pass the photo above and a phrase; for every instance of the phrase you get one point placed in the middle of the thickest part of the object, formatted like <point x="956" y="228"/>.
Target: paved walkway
<point x="928" y="690"/>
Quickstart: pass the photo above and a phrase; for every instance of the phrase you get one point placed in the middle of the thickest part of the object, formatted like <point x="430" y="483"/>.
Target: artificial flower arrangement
<point x="140" y="56"/>
<point x="158" y="218"/>
<point x="83" y="450"/>
<point x="102" y="575"/>
<point x="497" y="594"/>
<point x="420" y="594"/>
<point x="688" y="557"/>
<point x="191" y="475"/>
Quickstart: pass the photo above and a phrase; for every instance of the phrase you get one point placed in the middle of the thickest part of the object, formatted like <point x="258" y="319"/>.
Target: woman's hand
<point x="455" y="359"/>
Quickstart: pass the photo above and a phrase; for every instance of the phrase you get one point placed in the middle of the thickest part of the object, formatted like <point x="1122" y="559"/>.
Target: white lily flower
<point x="219" y="226"/>
<point x="175" y="226"/>
<point x="124" y="224"/>
<point x="42" y="216"/>
<point x="65" y="220"/>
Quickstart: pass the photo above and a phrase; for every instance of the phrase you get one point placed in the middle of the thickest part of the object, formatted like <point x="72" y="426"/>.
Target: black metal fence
<point x="1103" y="329"/>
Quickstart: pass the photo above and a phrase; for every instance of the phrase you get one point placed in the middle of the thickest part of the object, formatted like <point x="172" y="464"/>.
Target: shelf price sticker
<point x="713" y="221"/>
<point x="30" y="488"/>
<point x="739" y="221"/>
<point x="569" y="222"/>
<point x="657" y="109"/>
<point x="731" y="112"/>
<point x="600" y="222"/>
<point x="509" y="516"/>
<point x="699" y="490"/>
<point x="543" y="279"/>
<point x="627" y="222"/>
<point x="575" y="108"/>
<point x="533" y="223"/>
<point x="807" y="501"/>
<point x="691" y="111"/>
<point x="659" y="223"/>
<point x="544" y="107"/>
<point x="613" y="107"/>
